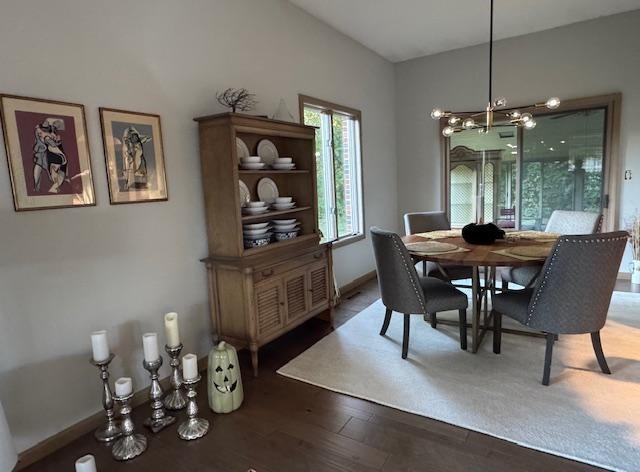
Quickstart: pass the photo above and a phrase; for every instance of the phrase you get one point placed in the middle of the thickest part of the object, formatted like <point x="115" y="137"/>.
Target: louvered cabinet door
<point x="269" y="307"/>
<point x="318" y="280"/>
<point x="295" y="294"/>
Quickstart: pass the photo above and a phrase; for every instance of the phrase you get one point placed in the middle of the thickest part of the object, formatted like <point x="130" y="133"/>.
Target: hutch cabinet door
<point x="318" y="277"/>
<point x="269" y="307"/>
<point x="295" y="289"/>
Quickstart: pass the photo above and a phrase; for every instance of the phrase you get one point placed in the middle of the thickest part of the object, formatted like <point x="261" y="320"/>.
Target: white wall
<point x="581" y="60"/>
<point x="64" y="273"/>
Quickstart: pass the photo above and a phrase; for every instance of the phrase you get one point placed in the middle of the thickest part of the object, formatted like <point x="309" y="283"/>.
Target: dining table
<point x="483" y="260"/>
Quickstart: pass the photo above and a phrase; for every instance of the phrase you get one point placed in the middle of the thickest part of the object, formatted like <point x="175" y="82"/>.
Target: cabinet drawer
<point x="272" y="271"/>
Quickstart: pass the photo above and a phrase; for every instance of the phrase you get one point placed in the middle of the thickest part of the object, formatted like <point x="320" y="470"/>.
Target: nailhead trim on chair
<point x="419" y="295"/>
<point x="552" y="261"/>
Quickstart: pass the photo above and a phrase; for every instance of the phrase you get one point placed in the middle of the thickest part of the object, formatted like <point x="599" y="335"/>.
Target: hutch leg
<point x="253" y="347"/>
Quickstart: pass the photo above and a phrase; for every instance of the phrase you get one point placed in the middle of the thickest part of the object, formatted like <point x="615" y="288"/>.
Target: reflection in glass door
<point x="516" y="178"/>
<point x="483" y="176"/>
<point x="562" y="166"/>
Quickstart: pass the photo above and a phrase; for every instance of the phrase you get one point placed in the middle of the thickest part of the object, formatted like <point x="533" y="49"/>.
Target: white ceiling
<point x="403" y="29"/>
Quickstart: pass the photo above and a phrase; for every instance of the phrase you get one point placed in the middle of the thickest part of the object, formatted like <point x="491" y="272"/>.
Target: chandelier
<point x="496" y="111"/>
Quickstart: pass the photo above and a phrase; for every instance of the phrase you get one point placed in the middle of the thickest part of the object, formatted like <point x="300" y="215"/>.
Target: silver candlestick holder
<point x="110" y="430"/>
<point x="131" y="444"/>
<point x="158" y="419"/>
<point x="193" y="427"/>
<point x="175" y="400"/>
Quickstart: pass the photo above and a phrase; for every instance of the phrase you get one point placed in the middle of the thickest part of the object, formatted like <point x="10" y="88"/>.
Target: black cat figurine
<point x="482" y="234"/>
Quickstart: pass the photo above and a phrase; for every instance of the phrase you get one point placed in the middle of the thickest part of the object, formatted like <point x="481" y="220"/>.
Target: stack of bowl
<point x="256" y="234"/>
<point x="285" y="229"/>
<point x="252" y="163"/>
<point x="283" y="203"/>
<point x="255" y="208"/>
<point x="283" y="163"/>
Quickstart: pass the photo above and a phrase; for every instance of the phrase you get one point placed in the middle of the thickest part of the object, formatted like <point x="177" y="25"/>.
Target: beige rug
<point x="583" y="415"/>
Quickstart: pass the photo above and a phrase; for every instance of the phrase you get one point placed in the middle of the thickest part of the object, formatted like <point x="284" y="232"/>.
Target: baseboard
<point x="356" y="283"/>
<point x="73" y="432"/>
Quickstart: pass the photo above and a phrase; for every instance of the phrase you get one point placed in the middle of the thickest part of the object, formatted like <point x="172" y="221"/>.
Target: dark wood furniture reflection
<point x="475" y="258"/>
<point x="258" y="294"/>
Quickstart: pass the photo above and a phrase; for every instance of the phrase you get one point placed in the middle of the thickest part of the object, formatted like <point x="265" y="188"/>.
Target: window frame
<point x="611" y="103"/>
<point x="331" y="109"/>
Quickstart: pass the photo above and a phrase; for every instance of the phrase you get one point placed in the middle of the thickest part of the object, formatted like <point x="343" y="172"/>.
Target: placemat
<point x="458" y="249"/>
<point x="430" y="247"/>
<point x="541" y="236"/>
<point x="507" y="252"/>
<point x="444" y="233"/>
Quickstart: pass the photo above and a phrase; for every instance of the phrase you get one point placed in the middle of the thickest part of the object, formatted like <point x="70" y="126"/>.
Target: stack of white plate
<point x="252" y="163"/>
<point x="283" y="163"/>
<point x="283" y="203"/>
<point x="256" y="234"/>
<point x="255" y="208"/>
<point x="285" y="229"/>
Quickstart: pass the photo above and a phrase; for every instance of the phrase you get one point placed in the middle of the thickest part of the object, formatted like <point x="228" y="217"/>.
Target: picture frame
<point x="48" y="155"/>
<point x="134" y="156"/>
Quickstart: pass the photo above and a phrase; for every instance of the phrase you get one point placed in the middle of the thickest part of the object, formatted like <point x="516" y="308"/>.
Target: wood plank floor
<point x="285" y="425"/>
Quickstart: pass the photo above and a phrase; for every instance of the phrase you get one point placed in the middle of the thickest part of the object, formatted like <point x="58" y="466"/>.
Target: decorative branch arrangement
<point x="237" y="99"/>
<point x="634" y="239"/>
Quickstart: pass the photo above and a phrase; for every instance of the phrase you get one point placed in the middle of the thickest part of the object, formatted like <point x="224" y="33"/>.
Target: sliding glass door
<point x="516" y="178"/>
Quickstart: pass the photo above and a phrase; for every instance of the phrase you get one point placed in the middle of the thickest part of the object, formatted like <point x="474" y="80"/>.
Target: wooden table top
<point x="478" y="255"/>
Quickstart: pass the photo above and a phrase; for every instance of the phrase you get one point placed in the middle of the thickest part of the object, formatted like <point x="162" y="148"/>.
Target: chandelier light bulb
<point x="437" y="113"/>
<point x="468" y="123"/>
<point x="447" y="131"/>
<point x="515" y="114"/>
<point x="552" y="103"/>
<point x="454" y="120"/>
<point x="526" y="117"/>
<point x="500" y="102"/>
<point x="530" y="123"/>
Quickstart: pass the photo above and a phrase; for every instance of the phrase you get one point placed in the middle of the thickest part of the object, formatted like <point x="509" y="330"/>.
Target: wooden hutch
<point x="258" y="294"/>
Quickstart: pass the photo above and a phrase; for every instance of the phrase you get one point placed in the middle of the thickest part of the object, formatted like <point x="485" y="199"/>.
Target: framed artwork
<point x="134" y="156"/>
<point x="48" y="153"/>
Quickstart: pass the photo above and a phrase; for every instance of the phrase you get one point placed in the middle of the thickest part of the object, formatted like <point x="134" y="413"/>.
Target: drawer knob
<point x="317" y="256"/>
<point x="267" y="273"/>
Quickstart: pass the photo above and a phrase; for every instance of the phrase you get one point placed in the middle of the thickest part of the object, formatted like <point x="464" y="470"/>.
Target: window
<point x="338" y="168"/>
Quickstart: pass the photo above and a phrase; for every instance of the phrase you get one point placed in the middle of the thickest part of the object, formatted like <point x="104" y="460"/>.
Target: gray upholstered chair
<point x="571" y="296"/>
<point x="423" y="222"/>
<point x="562" y="222"/>
<point x="405" y="292"/>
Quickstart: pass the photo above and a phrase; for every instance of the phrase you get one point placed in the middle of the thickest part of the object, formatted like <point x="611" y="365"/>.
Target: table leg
<point x="476" y="308"/>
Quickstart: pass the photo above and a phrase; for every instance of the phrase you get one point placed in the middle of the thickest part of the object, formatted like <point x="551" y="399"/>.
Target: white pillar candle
<point x="171" y="329"/>
<point x="124" y="386"/>
<point x="100" y="346"/>
<point x="86" y="464"/>
<point x="189" y="366"/>
<point x="150" y="347"/>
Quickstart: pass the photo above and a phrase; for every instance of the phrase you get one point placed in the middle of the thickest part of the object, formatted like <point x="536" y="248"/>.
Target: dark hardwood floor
<point x="285" y="425"/>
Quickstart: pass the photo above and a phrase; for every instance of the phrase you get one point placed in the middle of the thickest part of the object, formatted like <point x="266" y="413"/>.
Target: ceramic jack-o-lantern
<point x="225" y="381"/>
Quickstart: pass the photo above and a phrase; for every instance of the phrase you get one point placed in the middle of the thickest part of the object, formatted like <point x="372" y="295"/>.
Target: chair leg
<point x="597" y="347"/>
<point x="462" y="321"/>
<point x="505" y="286"/>
<point x="387" y="320"/>
<point x="434" y="320"/>
<point x="405" y="337"/>
<point x="547" y="359"/>
<point x="424" y="268"/>
<point x="497" y="331"/>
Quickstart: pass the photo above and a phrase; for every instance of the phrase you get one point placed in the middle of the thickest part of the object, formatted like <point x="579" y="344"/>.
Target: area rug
<point x="583" y="415"/>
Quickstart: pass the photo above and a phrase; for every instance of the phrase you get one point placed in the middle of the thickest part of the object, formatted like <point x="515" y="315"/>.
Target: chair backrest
<point x="573" y="222"/>
<point x="424" y="221"/>
<point x="397" y="277"/>
<point x="574" y="289"/>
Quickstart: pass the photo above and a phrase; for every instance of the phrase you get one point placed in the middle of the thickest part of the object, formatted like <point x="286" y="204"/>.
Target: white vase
<point x="635" y="272"/>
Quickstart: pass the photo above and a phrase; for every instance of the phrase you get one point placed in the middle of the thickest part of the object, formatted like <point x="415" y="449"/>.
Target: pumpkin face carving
<point x="224" y="380"/>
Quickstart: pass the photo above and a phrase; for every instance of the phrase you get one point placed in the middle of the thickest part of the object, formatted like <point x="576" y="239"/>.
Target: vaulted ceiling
<point x="403" y="29"/>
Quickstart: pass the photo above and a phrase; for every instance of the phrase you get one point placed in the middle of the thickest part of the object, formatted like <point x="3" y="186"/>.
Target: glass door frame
<point x="611" y="161"/>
